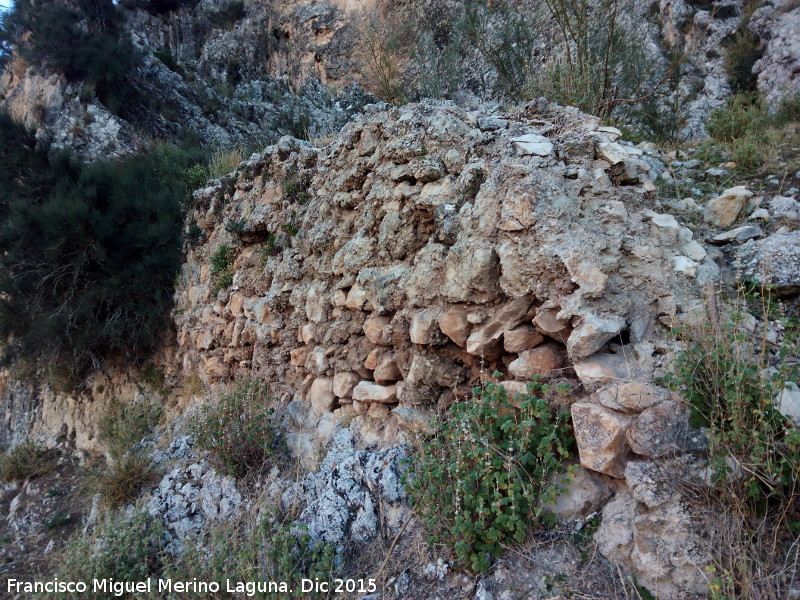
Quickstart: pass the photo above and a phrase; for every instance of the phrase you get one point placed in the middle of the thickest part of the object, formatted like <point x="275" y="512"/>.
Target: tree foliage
<point x="85" y="41"/>
<point x="90" y="251"/>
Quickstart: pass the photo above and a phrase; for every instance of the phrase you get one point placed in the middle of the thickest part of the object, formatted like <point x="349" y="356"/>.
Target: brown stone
<point x="373" y="357"/>
<point x="369" y="391"/>
<point x="377" y="330"/>
<point x="521" y="338"/>
<point x="600" y="435"/>
<point x="378" y="411"/>
<point x="454" y="324"/>
<point x="484" y="340"/>
<point x="425" y="329"/>
<point x="600" y="369"/>
<point x="542" y="360"/>
<point x="320" y="394"/>
<point x="387" y="370"/>
<point x="343" y="384"/>
<point x="298" y="356"/>
<point x="215" y="368"/>
<point x="549" y="324"/>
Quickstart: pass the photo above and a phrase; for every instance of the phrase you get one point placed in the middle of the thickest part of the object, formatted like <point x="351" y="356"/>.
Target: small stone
<point x="788" y="402"/>
<point x="298" y="356"/>
<point x="484" y="340"/>
<point x="631" y="396"/>
<point x="549" y="324"/>
<point x="600" y="435"/>
<point x="387" y="371"/>
<point x="616" y="153"/>
<point x="356" y="298"/>
<point x="601" y="368"/>
<point x="343" y="384"/>
<point x="522" y="338"/>
<point x="377" y="330"/>
<point x="455" y="324"/>
<point x="592" y="334"/>
<point x="543" y="360"/>
<point x="424" y="328"/>
<point x="723" y="210"/>
<point x="378" y="411"/>
<point x="321" y="395"/>
<point x="369" y="391"/>
<point x="740" y="234"/>
<point x="582" y="494"/>
<point x="372" y="359"/>
<point x="660" y="430"/>
<point x="417" y="421"/>
<point x="533" y="143"/>
<point x="685" y="265"/>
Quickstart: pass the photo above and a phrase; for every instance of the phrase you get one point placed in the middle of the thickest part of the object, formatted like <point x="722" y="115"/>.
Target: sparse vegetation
<point x="121" y="547"/>
<point x="235" y="428"/>
<point x="122" y="481"/>
<point x="265" y="549"/>
<point x="222" y="268"/>
<point x="730" y="376"/>
<point x="27" y="459"/>
<point x="124" y="424"/>
<point x="479" y="482"/>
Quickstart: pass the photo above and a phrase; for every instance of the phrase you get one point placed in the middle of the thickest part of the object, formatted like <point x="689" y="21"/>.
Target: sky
<point x="4" y="4"/>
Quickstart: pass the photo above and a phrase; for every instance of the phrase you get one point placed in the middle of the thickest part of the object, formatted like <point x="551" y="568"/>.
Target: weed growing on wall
<point x="479" y="482"/>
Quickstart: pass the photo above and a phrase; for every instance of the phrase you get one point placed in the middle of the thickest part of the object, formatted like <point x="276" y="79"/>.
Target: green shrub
<point x="86" y="41"/>
<point x="729" y="379"/>
<point x="235" y="428"/>
<point x="222" y="268"/>
<point x="480" y="481"/>
<point x="122" y="547"/>
<point x="90" y="252"/>
<point x="28" y="459"/>
<point x="266" y="550"/>
<point x="745" y="115"/>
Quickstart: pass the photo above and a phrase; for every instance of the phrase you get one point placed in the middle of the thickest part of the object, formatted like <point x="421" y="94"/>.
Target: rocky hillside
<point x="480" y="347"/>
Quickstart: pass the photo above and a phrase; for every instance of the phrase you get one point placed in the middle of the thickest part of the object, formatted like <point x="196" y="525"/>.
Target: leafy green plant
<point x="267" y="549"/>
<point x="90" y="252"/>
<point x="27" y="459"/>
<point x="57" y="520"/>
<point x="482" y="478"/>
<point x="235" y="428"/>
<point x="121" y="547"/>
<point x="222" y="268"/>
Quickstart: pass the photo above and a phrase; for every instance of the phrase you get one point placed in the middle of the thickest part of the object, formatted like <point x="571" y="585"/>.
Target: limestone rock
<point x="344" y="382"/>
<point x="369" y="391"/>
<point x="455" y="325"/>
<point x="660" y="430"/>
<point x="773" y="261"/>
<point x="723" y="210"/>
<point x="543" y="360"/>
<point x="377" y="330"/>
<point x="425" y="328"/>
<point x="533" y="143"/>
<point x="321" y="395"/>
<point x="592" y="334"/>
<point x="521" y="338"/>
<point x="387" y="371"/>
<point x="413" y="419"/>
<point x="630" y="397"/>
<point x="788" y="402"/>
<point x="582" y="494"/>
<point x="547" y="322"/>
<point x="600" y="435"/>
<point x="601" y="368"/>
<point x="485" y="340"/>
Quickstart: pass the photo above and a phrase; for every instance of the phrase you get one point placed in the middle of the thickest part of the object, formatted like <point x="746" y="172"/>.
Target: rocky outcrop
<point x="777" y="24"/>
